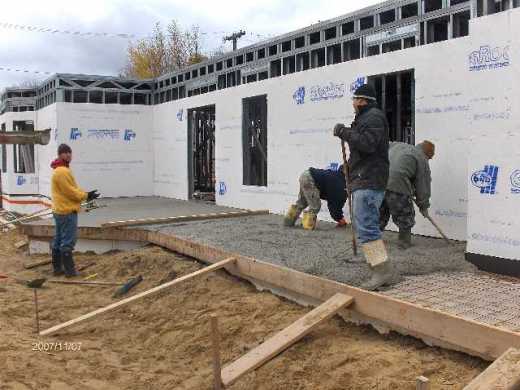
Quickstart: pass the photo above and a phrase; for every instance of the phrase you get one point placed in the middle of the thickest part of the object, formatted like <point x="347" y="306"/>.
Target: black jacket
<point x="332" y="189"/>
<point x="368" y="143"/>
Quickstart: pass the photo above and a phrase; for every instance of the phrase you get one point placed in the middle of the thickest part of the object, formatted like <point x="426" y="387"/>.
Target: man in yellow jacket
<point x="66" y="202"/>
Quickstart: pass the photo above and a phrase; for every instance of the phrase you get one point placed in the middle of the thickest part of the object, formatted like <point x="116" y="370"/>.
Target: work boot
<point x="57" y="265"/>
<point x="309" y="220"/>
<point x="292" y="216"/>
<point x="405" y="238"/>
<point x="68" y="264"/>
<point x="382" y="275"/>
<point x="377" y="258"/>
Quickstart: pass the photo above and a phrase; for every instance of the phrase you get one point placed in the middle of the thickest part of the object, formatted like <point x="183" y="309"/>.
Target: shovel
<point x="34" y="283"/>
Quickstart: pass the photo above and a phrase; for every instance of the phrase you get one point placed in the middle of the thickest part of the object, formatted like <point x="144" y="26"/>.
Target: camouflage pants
<point x="400" y="207"/>
<point x="309" y="194"/>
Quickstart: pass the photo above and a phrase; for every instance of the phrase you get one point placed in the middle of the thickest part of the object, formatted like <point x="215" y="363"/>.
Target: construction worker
<point x="66" y="202"/>
<point x="409" y="175"/>
<point x="367" y="139"/>
<point x="317" y="184"/>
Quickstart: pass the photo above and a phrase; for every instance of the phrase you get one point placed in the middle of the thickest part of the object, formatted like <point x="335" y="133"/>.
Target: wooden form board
<point x="432" y="326"/>
<point x="503" y="374"/>
<point x="147" y="293"/>
<point x="284" y="339"/>
<point x="184" y="218"/>
<point x="383" y="312"/>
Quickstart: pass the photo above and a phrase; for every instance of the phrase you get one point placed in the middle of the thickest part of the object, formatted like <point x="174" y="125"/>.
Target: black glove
<point x="91" y="195"/>
<point x="338" y="129"/>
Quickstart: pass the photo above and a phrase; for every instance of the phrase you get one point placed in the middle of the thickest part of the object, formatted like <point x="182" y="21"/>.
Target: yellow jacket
<point x="66" y="195"/>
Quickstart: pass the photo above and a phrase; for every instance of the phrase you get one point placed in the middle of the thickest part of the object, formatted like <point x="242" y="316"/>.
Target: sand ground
<point x="163" y="342"/>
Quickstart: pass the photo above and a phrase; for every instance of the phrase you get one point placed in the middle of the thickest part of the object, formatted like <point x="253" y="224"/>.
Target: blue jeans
<point x="366" y="204"/>
<point x="66" y="232"/>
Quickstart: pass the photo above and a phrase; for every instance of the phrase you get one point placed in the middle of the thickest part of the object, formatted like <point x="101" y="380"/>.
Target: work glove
<point x="338" y="129"/>
<point x="424" y="212"/>
<point x="341" y="223"/>
<point x="91" y="195"/>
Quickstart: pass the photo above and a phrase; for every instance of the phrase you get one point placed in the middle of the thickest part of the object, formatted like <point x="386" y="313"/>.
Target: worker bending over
<point x="367" y="139"/>
<point x="317" y="184"/>
<point x="409" y="175"/>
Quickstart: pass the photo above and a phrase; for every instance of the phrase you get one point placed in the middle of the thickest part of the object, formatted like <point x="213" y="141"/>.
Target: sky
<point x="31" y="51"/>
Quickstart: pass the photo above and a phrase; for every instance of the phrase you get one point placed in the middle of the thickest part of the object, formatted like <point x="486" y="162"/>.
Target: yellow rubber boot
<point x="309" y="220"/>
<point x="292" y="216"/>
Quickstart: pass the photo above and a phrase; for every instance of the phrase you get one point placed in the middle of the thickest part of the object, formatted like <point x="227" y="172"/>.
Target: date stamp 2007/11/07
<point x="58" y="346"/>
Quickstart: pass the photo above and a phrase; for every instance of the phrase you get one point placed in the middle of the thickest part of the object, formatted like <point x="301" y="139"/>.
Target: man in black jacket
<point x="368" y="140"/>
<point x="317" y="184"/>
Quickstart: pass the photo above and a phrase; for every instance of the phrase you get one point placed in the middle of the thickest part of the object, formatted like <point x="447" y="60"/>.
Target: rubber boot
<point x="68" y="264"/>
<point x="292" y="216"/>
<point x="309" y="220"/>
<point x="382" y="275"/>
<point x="405" y="238"/>
<point x="377" y="258"/>
<point x="57" y="265"/>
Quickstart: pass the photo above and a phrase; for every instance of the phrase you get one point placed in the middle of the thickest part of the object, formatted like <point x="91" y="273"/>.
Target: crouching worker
<point x="66" y="202"/>
<point x="317" y="184"/>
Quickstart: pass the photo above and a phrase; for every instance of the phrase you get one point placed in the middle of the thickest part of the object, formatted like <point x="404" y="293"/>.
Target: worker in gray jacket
<point x="409" y="176"/>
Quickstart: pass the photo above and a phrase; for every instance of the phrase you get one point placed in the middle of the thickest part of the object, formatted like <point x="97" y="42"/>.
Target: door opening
<point x="201" y="153"/>
<point x="254" y="141"/>
<point x="396" y="97"/>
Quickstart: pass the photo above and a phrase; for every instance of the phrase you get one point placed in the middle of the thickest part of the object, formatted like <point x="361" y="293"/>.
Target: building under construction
<point x="238" y="129"/>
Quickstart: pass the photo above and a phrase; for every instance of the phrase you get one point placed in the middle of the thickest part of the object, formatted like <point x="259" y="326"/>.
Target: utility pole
<point x="235" y="37"/>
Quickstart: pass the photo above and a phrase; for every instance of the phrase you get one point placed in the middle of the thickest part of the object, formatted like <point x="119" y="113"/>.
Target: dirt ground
<point x="163" y="342"/>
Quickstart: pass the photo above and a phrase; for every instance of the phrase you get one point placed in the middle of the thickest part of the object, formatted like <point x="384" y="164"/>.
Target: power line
<point x="15" y="70"/>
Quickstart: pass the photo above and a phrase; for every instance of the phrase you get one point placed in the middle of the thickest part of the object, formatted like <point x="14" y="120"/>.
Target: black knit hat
<point x="64" y="148"/>
<point x="365" y="92"/>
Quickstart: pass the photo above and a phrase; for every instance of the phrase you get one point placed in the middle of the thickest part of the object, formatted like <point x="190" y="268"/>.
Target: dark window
<point x="68" y="96"/>
<point x="366" y="22"/>
<point x="251" y="78"/>
<point x="409" y="42"/>
<point x="347" y="28"/>
<point x="263" y="76"/>
<point x="391" y="46"/>
<point x="125" y="98"/>
<point x="194" y="73"/>
<point x="286" y="46"/>
<point x="455" y="2"/>
<point x="432" y="5"/>
<point x="202" y="71"/>
<point x="373" y="50"/>
<point x="273" y="50"/>
<point x="23" y="154"/>
<point x="182" y="92"/>
<point x="229" y="63"/>
<point x="387" y="16"/>
<point x="250" y="56"/>
<point x="315" y="38"/>
<point x="438" y="29"/>
<point x="334" y="54"/>
<point x="180" y="78"/>
<point x="211" y="68"/>
<point x="221" y="81"/>
<point x="299" y="42"/>
<point x="331" y="33"/>
<point x="318" y="58"/>
<point x="213" y="87"/>
<point x="110" y="97"/>
<point x="239" y="60"/>
<point x="139" y="98"/>
<point x="409" y="10"/>
<point x="276" y="68"/>
<point x="254" y="141"/>
<point x="261" y="53"/>
<point x="161" y="84"/>
<point x="289" y="65"/>
<point x="302" y="62"/>
<point x="95" y="97"/>
<point x="187" y="76"/>
<point x="461" y="24"/>
<point x="219" y="66"/>
<point x="174" y="80"/>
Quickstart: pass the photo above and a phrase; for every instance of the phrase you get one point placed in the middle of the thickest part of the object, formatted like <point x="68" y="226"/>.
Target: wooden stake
<point x="423" y="383"/>
<point x="215" y="338"/>
<point x="36" y="310"/>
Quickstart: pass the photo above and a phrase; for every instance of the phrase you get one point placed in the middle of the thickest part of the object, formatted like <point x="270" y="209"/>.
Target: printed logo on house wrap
<point x="104" y="134"/>
<point x="129" y="135"/>
<point x="356" y="84"/>
<point x="488" y="58"/>
<point x="331" y="91"/>
<point x="75" y="134"/>
<point x="180" y="115"/>
<point x="20" y="180"/>
<point x="486" y="179"/>
<point x="222" y="189"/>
<point x="299" y="96"/>
<point x="515" y="182"/>
<point x="333" y="166"/>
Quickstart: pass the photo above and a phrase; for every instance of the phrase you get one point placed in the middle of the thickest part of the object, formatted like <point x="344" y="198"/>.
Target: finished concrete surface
<point x="120" y="209"/>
